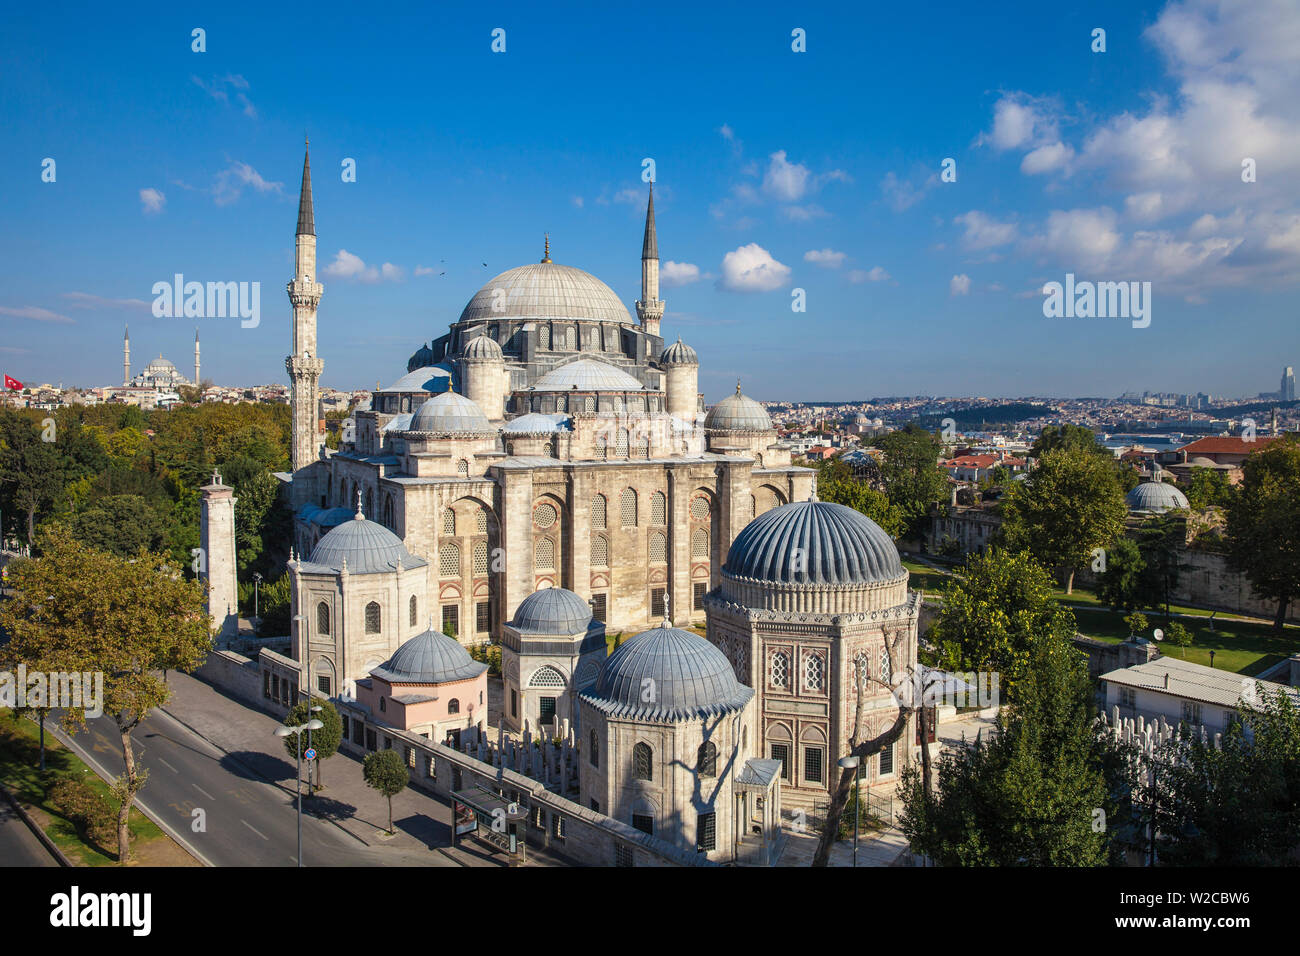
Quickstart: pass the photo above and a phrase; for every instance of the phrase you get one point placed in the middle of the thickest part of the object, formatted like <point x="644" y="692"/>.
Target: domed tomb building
<point x="813" y="603"/>
<point x="546" y="440"/>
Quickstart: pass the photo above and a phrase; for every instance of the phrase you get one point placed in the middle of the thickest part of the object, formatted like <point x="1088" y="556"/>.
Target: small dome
<point x="450" y="413"/>
<point x="1155" y="497"/>
<point x="426" y="378"/>
<point x="813" y="542"/>
<point x="429" y="658"/>
<point x="738" y="413"/>
<point x="422" y="358"/>
<point x="368" y="548"/>
<point x="552" y="611"/>
<point x="1200" y="461"/>
<point x="679" y="353"/>
<point x="538" y="423"/>
<point x="587" y="375"/>
<point x="545" y="290"/>
<point x="483" y="349"/>
<point x="667" y="674"/>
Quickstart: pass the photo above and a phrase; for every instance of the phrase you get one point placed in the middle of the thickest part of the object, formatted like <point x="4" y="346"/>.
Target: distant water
<point x="1165" y="442"/>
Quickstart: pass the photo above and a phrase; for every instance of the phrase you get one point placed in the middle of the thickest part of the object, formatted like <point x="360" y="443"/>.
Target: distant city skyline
<point x="823" y="172"/>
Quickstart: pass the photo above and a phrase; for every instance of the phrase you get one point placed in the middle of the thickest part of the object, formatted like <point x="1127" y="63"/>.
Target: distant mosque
<point x="160" y="373"/>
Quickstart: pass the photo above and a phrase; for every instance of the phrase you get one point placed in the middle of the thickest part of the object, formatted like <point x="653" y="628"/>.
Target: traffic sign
<point x="310" y="753"/>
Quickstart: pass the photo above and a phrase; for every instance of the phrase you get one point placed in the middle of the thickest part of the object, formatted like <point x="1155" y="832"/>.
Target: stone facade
<point x="217" y="555"/>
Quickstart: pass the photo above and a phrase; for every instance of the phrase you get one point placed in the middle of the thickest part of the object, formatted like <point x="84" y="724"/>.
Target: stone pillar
<point x="516" y="582"/>
<point x="217" y="558"/>
<point x="679" y="546"/>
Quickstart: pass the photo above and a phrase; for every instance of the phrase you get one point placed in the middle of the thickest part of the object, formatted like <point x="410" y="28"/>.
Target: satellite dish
<point x="1159" y="635"/>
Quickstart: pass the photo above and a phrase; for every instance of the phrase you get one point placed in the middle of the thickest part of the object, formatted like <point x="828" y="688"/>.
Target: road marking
<point x="167" y="765"/>
<point x="202" y="791"/>
<point x="254" y="829"/>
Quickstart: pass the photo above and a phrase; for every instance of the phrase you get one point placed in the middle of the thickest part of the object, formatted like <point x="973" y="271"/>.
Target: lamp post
<point x="257" y="579"/>
<point x="283" y="731"/>
<point x="852" y="762"/>
<point x="315" y="709"/>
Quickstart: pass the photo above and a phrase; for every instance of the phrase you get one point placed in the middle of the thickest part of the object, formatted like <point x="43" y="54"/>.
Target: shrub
<point x="90" y="812"/>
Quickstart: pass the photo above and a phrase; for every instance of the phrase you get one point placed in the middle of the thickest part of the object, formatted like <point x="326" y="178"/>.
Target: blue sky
<point x="776" y="170"/>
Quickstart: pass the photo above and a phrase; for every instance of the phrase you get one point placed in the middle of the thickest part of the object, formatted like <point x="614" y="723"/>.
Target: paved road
<point x="248" y="822"/>
<point x="18" y="845"/>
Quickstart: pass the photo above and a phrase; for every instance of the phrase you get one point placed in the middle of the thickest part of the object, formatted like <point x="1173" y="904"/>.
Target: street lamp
<point x="851" y="762"/>
<point x="257" y="579"/>
<point x="283" y="731"/>
<point x="315" y="709"/>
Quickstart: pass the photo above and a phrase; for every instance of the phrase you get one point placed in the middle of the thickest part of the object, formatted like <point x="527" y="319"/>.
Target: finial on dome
<point x="431" y="620"/>
<point x="737" y="386"/>
<point x="359" y="516"/>
<point x="812" y="495"/>
<point x="546" y="257"/>
<point x="666" y="622"/>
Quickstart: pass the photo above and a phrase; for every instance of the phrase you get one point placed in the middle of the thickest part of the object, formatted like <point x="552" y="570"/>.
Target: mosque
<point x="541" y="476"/>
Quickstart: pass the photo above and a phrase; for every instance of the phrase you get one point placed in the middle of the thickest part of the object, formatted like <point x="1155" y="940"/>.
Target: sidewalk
<point x="879" y="848"/>
<point x="421" y="821"/>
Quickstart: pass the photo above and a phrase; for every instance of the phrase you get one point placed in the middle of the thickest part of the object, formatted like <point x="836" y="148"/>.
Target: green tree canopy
<point x="384" y="771"/>
<point x="994" y="611"/>
<point x="324" y="741"/>
<point x="1069" y="505"/>
<point x="836" y="483"/>
<point x="1207" y="487"/>
<point x="1068" y="438"/>
<point x="1263" y="529"/>
<point x="911" y="473"/>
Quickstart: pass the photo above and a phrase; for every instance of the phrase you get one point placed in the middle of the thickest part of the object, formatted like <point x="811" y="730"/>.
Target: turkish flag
<point x="13" y="383"/>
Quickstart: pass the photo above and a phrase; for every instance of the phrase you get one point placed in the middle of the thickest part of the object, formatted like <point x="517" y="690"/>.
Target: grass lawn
<point x="924" y="578"/>
<point x="19" y="762"/>
<point x="1244" y="647"/>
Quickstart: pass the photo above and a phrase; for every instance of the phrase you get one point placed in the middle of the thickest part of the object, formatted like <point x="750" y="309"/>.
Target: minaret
<point x="650" y="309"/>
<point x="217" y="555"/>
<point x="196" y="359"/>
<point x="126" y="356"/>
<point x="303" y="366"/>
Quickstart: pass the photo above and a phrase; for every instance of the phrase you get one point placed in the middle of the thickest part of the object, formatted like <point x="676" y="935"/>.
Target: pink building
<point x="430" y="686"/>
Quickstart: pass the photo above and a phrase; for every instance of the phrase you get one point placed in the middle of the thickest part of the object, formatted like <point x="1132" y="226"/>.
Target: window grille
<point x="449" y="560"/>
<point x="449" y="522"/>
<point x="644" y="822"/>
<point x="413" y="618"/>
<point x="780" y="669"/>
<point x="598" y="512"/>
<point x="706" y="832"/>
<point x="699" y="543"/>
<point x="594" y="754"/>
<point x="698" y="590"/>
<point x="480" y="557"/>
<point x="658" y="548"/>
<point x="620" y="446"/>
<point x="643" y="762"/>
<point x="599" y="551"/>
<point x="480" y="521"/>
<point x="627" y="508"/>
<point x="812" y="764"/>
<point x="814" y="673"/>
<point x="546" y="677"/>
<point x="707" y="760"/>
<point x="323" y="618"/>
<point x="545" y="516"/>
<point x="483" y="616"/>
<point x="545" y="555"/>
<point x="462" y="468"/>
<point x="699" y="508"/>
<point x="658" y="508"/>
<point x="372" y="618"/>
<point x="657" y="602"/>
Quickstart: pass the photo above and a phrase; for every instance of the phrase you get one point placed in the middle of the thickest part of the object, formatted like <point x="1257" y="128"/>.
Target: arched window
<point x="462" y="468"/>
<point x="562" y="403"/>
<point x="547" y="677"/>
<point x="627" y="508"/>
<point x="602" y="447"/>
<point x="323" y="619"/>
<point x="570" y="337"/>
<point x="449" y="560"/>
<point x="706" y="764"/>
<point x="658" y="508"/>
<point x="372" y="618"/>
<point x="453" y="706"/>
<point x="780" y="670"/>
<point x="545" y="555"/>
<point x="370" y="501"/>
<point x="480" y="557"/>
<point x="620" y="448"/>
<point x="383" y="704"/>
<point x="544" y="516"/>
<point x="589" y="403"/>
<point x="413" y="609"/>
<point x="658" y="548"/>
<point x="643" y="445"/>
<point x="389" y="521"/>
<point x="548" y="450"/>
<point x="598" y="512"/>
<point x="480" y="521"/>
<point x="699" y="508"/>
<point x="814" y="672"/>
<point x="599" y="551"/>
<point x="449" y="522"/>
<point x="699" y="543"/>
<point x="753" y="508"/>
<point x="643" y="762"/>
<point x="884" y="665"/>
<point x="862" y="665"/>
<point x="544" y="337"/>
<point x="594" y="755"/>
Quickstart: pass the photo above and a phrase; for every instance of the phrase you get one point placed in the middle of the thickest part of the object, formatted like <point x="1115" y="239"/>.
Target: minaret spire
<point x="303" y="366"/>
<point x="546" y="255"/>
<point x="197" y="380"/>
<point x="650" y="308"/>
<point x="126" y="356"/>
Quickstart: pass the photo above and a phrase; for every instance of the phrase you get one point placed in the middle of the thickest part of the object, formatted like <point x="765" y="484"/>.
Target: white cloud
<point x="35" y="313"/>
<point x="231" y="182"/>
<point x="1046" y="159"/>
<point x="578" y="201"/>
<point x="151" y="200"/>
<point x="1020" y="120"/>
<point x="874" y="274"/>
<point x="1144" y="207"/>
<point x="827" y="258"/>
<point x="349" y="266"/>
<point x="804" y="213"/>
<point x="424" y="270"/>
<point x="1082" y="239"/>
<point x="679" y="273"/>
<point x="984" y="232"/>
<point x="85" y="300"/>
<point x="902" y="194"/>
<point x="959" y="285"/>
<point x="751" y="268"/>
<point x="784" y="180"/>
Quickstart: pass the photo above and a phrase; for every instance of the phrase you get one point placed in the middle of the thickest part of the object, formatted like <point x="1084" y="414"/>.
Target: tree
<point x="836" y="483"/>
<point x="1178" y="636"/>
<point x="994" y="611"/>
<point x="324" y="741"/>
<point x="1160" y="539"/>
<point x="1137" y="624"/>
<point x="31" y="472"/>
<point x="1263" y="528"/>
<point x="1028" y="795"/>
<point x="1234" y="805"/>
<point x="82" y="610"/>
<point x="1068" y="438"/>
<point x="1124" y="583"/>
<point x="1069" y="505"/>
<point x="384" y="771"/>
<point x="913" y="479"/>
<point x="1207" y="487"/>
<point x="121" y="524"/>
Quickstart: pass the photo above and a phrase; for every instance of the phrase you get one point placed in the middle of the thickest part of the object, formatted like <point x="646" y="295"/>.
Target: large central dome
<point x="546" y="290"/>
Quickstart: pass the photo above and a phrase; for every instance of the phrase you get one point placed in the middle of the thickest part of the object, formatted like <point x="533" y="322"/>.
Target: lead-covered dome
<point x="366" y="546"/>
<point x="679" y="353"/>
<point x="483" y="349"/>
<point x="1155" y="497"/>
<point x="429" y="658"/>
<point x="738" y="413"/>
<point x="450" y="413"/>
<point x="545" y="290"/>
<point x="552" y="611"/>
<point x="587" y="375"/>
<point x="811" y="543"/>
<point x="667" y="674"/>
